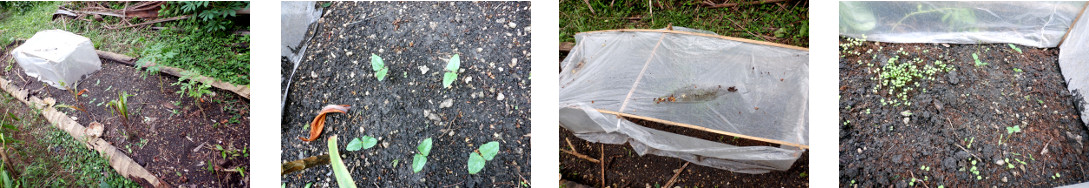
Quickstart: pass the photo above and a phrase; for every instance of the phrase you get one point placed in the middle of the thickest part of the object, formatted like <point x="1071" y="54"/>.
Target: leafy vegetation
<point x="344" y="177"/>
<point x="778" y="22"/>
<point x="451" y="71"/>
<point x="379" y="66"/>
<point x="479" y="157"/>
<point x="190" y="86"/>
<point x="420" y="159"/>
<point x="120" y="105"/>
<point x="366" y="143"/>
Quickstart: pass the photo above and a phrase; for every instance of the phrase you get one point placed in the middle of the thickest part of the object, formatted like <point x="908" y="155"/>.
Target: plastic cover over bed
<point x="718" y="83"/>
<point x="1039" y="24"/>
<point x="1074" y="63"/>
<point x="58" y="58"/>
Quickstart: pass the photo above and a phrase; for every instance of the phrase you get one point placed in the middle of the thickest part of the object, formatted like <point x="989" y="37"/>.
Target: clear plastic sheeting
<point x="58" y="58"/>
<point x="715" y="82"/>
<point x="1074" y="61"/>
<point x="295" y="20"/>
<point x="1039" y="24"/>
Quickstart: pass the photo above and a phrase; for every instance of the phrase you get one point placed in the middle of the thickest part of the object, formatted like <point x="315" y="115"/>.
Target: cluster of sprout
<point x="899" y="78"/>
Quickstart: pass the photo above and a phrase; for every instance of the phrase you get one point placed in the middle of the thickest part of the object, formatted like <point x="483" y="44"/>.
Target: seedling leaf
<point x="369" y="142"/>
<point x="344" y="177"/>
<point x="418" y="162"/>
<point x="425" y="147"/>
<point x="379" y="67"/>
<point x="476" y="163"/>
<point x="354" y="145"/>
<point x="451" y="71"/>
<point x="489" y="150"/>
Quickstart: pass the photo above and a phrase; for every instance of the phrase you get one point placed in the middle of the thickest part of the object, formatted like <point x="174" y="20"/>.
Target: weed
<point x="978" y="63"/>
<point x="191" y="87"/>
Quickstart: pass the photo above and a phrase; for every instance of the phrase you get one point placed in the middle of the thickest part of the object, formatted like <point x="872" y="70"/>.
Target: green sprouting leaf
<point x="448" y="78"/>
<point x="381" y="74"/>
<point x="379" y="67"/>
<point x="476" y="163"/>
<point x="1015" y="48"/>
<point x="418" y="162"/>
<point x="451" y="71"/>
<point x="344" y="177"/>
<point x="308" y="185"/>
<point x="369" y="142"/>
<point x="455" y="63"/>
<point x="354" y="145"/>
<point x="489" y="150"/>
<point x="425" y="147"/>
<point x="1014" y="129"/>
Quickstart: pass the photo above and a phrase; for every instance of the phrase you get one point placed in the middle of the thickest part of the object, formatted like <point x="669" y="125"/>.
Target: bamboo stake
<point x="706" y="35"/>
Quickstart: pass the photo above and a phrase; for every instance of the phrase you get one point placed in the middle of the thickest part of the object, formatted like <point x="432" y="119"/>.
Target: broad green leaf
<point x="448" y="79"/>
<point x="425" y="147"/>
<point x="476" y="163"/>
<point x="381" y="74"/>
<point x="418" y="162"/>
<point x="344" y="178"/>
<point x="354" y="145"/>
<point x="489" y="150"/>
<point x="369" y="142"/>
<point x="377" y="63"/>
<point x="454" y="64"/>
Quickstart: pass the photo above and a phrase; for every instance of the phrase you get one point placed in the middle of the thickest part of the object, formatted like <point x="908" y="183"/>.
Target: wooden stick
<point x="712" y="5"/>
<point x="589" y="6"/>
<point x="581" y="156"/>
<point x="706" y="35"/>
<point x="690" y="126"/>
<point x="602" y="162"/>
<point x="675" y="175"/>
<point x="567" y="46"/>
<point x="969" y="152"/>
<point x="156" y="21"/>
<point x="1073" y="24"/>
<point x="304" y="163"/>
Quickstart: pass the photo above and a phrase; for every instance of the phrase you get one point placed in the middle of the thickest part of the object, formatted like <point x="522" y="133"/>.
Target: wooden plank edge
<point x="700" y="128"/>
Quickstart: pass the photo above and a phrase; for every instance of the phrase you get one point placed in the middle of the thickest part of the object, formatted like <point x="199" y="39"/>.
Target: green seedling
<point x="344" y="177"/>
<point x="1015" y="48"/>
<point x="485" y="153"/>
<point x="978" y="63"/>
<point x="1017" y="70"/>
<point x="970" y="143"/>
<point x="1013" y="129"/>
<point x="366" y="143"/>
<point x="420" y="159"/>
<point x="451" y="71"/>
<point x="379" y="67"/>
<point x="120" y="105"/>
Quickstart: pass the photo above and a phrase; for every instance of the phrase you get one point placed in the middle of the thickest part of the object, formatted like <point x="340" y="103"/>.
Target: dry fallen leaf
<point x="319" y="121"/>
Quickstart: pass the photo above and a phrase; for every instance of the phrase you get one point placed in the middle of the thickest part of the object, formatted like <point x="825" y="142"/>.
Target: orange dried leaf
<point x="319" y="121"/>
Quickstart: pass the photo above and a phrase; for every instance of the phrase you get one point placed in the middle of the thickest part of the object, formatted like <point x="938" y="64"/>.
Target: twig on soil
<point x="1044" y="151"/>
<point x="969" y="152"/>
<point x="305" y="163"/>
<point x="913" y="179"/>
<point x="675" y="175"/>
<point x="581" y="156"/>
<point x="602" y="165"/>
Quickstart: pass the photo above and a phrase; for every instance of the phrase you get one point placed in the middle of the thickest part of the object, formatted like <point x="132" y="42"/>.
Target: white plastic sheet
<point x="1039" y="24"/>
<point x="1074" y="61"/>
<point x="626" y="71"/>
<point x="58" y="58"/>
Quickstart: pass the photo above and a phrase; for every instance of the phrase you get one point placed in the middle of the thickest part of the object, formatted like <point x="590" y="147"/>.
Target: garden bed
<point x="176" y="138"/>
<point x="1005" y="119"/>
<point x="489" y="101"/>
<point x="625" y="168"/>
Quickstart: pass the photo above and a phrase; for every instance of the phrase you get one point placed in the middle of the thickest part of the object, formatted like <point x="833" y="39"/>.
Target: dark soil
<point x="488" y="102"/>
<point x="625" y="168"/>
<point x="961" y="117"/>
<point x="736" y="141"/>
<point x="173" y="137"/>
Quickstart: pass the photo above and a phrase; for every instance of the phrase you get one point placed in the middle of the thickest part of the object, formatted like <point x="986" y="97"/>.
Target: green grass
<point x="45" y="156"/>
<point x="787" y="24"/>
<point x="220" y="55"/>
